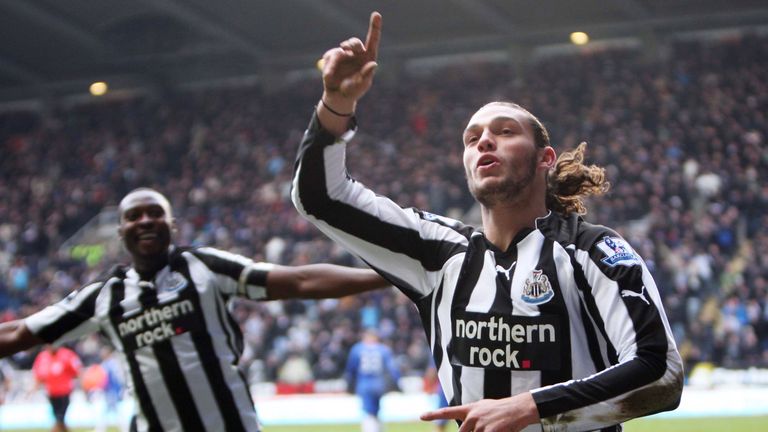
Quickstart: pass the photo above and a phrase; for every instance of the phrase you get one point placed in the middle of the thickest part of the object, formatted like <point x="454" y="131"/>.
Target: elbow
<point x="664" y="377"/>
<point x="667" y="391"/>
<point x="296" y="199"/>
<point x="671" y="393"/>
<point x="676" y="379"/>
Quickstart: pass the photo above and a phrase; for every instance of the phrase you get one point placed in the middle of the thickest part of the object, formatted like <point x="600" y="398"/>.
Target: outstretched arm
<point x="347" y="75"/>
<point x="16" y="337"/>
<point x="320" y="281"/>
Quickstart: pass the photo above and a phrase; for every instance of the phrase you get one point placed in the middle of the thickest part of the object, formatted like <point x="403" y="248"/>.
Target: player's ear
<point x="548" y="157"/>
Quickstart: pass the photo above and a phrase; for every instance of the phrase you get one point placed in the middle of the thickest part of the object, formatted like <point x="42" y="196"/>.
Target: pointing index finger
<point x="374" y="35"/>
<point x="457" y="413"/>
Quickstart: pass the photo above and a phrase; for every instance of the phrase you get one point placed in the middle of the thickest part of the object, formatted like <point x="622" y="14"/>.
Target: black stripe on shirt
<point x="592" y="343"/>
<point x="171" y="371"/>
<point x="142" y="394"/>
<point x="650" y="334"/>
<point x="497" y="383"/>
<point x="222" y="392"/>
<point x="556" y="306"/>
<point x="472" y="266"/>
<point x="594" y="313"/>
<point x="232" y="329"/>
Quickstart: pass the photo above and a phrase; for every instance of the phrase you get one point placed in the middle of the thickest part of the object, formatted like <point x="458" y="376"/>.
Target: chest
<point x="144" y="314"/>
<point x="533" y="276"/>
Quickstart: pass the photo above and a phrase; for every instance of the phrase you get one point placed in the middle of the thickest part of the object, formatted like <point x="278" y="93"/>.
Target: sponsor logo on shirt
<point x="537" y="289"/>
<point x="506" y="342"/>
<point x="617" y="252"/>
<point x="156" y="324"/>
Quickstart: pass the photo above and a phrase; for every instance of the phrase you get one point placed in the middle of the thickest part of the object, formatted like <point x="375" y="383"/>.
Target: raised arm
<point x="347" y="75"/>
<point x="407" y="246"/>
<point x="320" y="281"/>
<point x="16" y="337"/>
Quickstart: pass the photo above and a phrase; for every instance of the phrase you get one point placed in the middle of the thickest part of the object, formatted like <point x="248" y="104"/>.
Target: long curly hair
<point x="570" y="182"/>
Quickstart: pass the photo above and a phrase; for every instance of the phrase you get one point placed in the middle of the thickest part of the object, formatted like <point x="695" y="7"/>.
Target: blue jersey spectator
<point x="371" y="372"/>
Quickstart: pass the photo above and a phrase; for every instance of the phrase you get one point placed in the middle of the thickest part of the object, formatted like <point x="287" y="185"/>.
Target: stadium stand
<point x="683" y="137"/>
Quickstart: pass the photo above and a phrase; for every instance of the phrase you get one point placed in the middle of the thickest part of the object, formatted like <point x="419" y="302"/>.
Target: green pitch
<point x="702" y="424"/>
<point x="713" y="424"/>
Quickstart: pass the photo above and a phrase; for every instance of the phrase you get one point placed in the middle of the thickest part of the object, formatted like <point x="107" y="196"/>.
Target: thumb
<point x="368" y="70"/>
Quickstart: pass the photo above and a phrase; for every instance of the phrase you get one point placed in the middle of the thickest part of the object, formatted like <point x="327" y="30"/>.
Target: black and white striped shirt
<point x="568" y="312"/>
<point x="175" y="335"/>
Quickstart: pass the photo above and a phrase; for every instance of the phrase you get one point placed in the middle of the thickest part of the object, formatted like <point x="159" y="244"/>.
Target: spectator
<point x="370" y="373"/>
<point x="57" y="369"/>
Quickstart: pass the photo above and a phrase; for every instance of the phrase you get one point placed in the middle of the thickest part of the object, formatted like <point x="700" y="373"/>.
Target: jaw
<point x="148" y="248"/>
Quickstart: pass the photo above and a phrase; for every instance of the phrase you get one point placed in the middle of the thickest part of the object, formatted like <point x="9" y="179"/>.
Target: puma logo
<point x="505" y="272"/>
<point x="630" y="293"/>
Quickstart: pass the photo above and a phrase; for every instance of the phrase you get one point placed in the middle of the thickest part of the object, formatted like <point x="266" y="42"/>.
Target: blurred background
<point x="207" y="102"/>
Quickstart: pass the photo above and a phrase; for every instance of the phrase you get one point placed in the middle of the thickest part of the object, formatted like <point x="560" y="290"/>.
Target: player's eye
<point x="470" y="139"/>
<point x="155" y="213"/>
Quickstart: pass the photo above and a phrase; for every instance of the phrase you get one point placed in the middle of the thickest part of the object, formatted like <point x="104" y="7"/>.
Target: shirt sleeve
<point x="235" y="274"/>
<point x="643" y="373"/>
<point x="69" y="319"/>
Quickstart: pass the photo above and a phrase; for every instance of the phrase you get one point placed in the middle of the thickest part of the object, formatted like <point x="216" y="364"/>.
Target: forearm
<point x="16" y="337"/>
<point x="628" y="390"/>
<point x="332" y="281"/>
<point x="316" y="281"/>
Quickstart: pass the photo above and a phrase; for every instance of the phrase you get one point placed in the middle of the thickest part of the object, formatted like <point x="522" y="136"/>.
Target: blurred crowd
<point x="682" y="134"/>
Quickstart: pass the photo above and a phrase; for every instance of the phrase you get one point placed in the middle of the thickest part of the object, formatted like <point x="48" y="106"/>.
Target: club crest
<point x="537" y="289"/>
<point x="175" y="281"/>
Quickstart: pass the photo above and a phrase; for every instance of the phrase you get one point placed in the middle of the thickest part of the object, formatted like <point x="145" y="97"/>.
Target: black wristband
<point x="333" y="111"/>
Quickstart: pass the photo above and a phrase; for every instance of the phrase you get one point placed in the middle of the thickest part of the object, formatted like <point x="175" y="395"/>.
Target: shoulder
<point x="441" y="220"/>
<point x="590" y="236"/>
<point x="225" y="263"/>
<point x="606" y="247"/>
<point x="572" y="230"/>
<point x="92" y="289"/>
<point x="215" y="259"/>
<point x="208" y="253"/>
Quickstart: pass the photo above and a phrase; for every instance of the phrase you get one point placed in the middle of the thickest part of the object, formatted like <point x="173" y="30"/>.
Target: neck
<point x="503" y="221"/>
<point x="147" y="267"/>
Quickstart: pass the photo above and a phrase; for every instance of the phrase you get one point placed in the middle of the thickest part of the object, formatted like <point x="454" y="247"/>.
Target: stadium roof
<point x="53" y="48"/>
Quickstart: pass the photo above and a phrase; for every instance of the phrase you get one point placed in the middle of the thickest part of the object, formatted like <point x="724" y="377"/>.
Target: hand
<point x="348" y="70"/>
<point x="491" y="415"/>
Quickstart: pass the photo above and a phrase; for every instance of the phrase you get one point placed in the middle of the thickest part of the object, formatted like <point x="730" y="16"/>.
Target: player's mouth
<point x="487" y="162"/>
<point x="147" y="238"/>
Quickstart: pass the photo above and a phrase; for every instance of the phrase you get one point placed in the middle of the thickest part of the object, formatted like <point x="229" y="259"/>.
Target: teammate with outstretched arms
<point x="537" y="320"/>
<point x="167" y="315"/>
